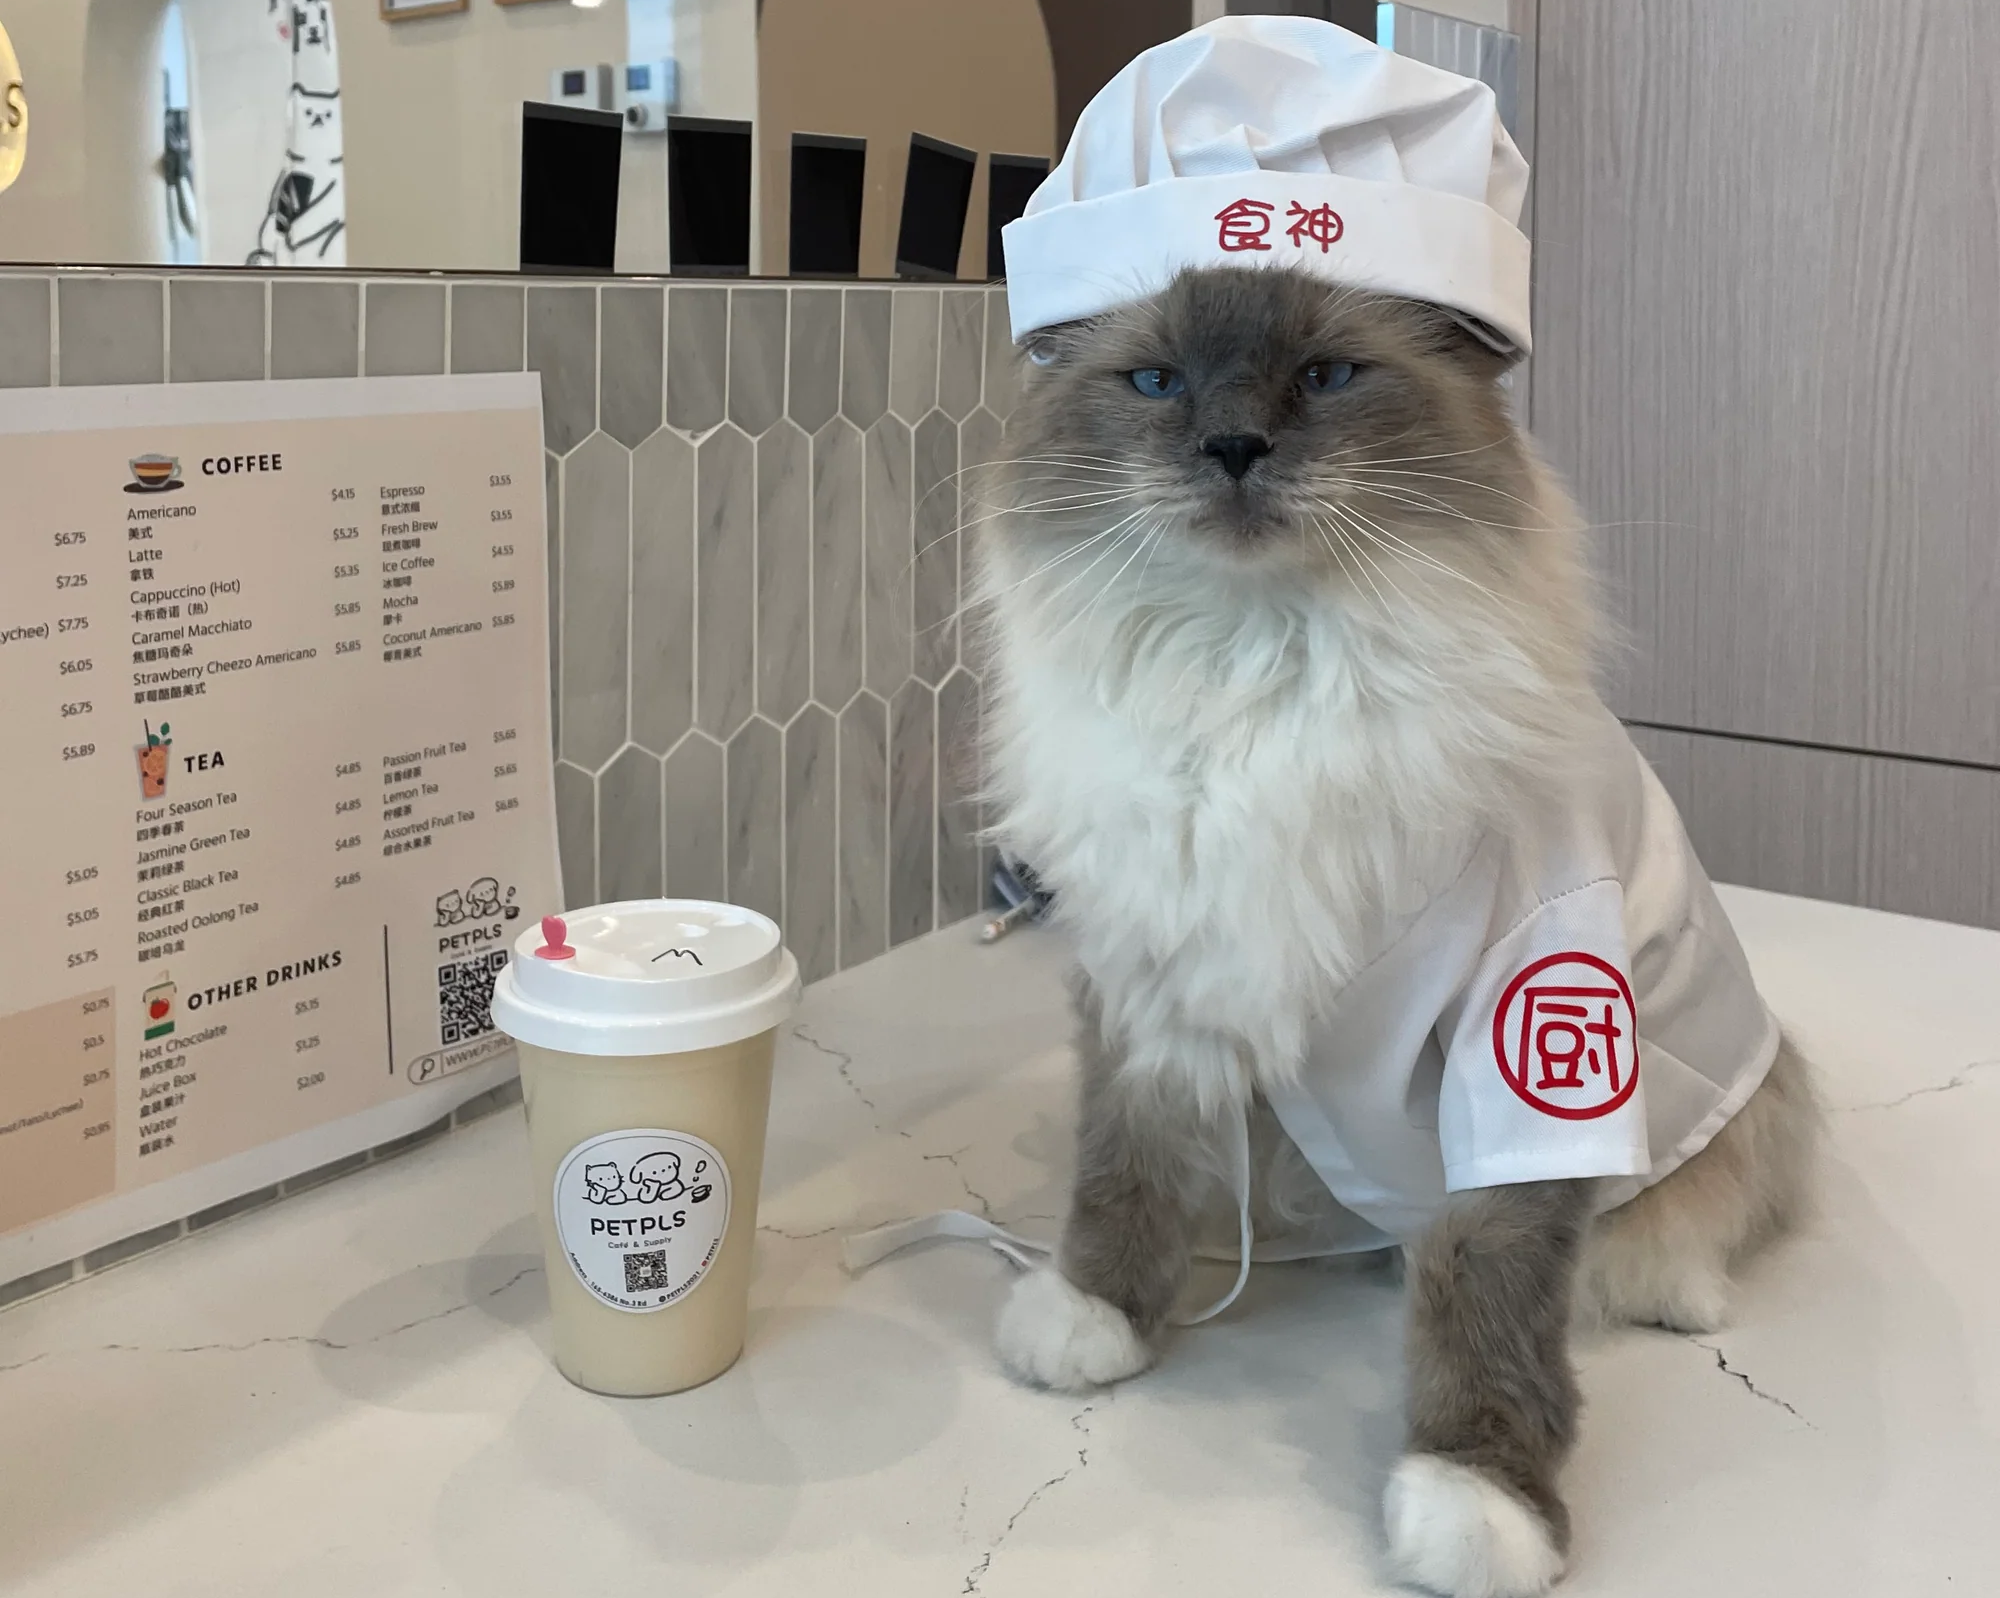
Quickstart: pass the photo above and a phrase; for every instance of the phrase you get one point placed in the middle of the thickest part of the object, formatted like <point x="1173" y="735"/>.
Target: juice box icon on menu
<point x="159" y="1002"/>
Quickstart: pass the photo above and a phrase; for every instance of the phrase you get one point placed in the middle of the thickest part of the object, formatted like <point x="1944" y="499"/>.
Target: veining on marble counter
<point x="351" y="1393"/>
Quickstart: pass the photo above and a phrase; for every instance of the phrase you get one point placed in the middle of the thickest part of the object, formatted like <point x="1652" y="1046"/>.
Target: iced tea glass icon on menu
<point x="646" y="1031"/>
<point x="153" y="755"/>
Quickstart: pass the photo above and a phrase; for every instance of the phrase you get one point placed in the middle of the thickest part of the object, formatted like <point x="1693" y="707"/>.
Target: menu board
<point x="274" y="690"/>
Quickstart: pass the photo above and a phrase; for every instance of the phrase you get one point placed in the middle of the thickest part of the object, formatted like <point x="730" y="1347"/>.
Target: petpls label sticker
<point x="641" y="1214"/>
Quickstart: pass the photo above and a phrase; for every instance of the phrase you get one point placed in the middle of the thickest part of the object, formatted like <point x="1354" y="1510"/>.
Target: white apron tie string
<point x="864" y="1249"/>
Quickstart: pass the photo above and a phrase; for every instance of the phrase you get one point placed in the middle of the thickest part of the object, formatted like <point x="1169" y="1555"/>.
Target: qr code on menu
<point x="465" y="996"/>
<point x="644" y="1273"/>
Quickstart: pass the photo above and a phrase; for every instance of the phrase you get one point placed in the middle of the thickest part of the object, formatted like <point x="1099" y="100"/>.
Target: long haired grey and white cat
<point x="1288" y="619"/>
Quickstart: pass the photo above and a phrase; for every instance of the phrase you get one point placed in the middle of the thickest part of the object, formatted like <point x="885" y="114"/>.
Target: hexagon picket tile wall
<point x="794" y="723"/>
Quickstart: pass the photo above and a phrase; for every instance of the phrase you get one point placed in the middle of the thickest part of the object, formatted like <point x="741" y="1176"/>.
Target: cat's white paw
<point x="1454" y="1532"/>
<point x="1053" y="1334"/>
<point x="1697" y="1302"/>
<point x="1687" y="1297"/>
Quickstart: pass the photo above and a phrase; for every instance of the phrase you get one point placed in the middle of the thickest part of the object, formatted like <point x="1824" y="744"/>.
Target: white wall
<point x="87" y="192"/>
<point x="239" y="75"/>
<point x="432" y="112"/>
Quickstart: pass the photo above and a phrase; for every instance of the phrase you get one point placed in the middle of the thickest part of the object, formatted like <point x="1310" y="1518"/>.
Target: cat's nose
<point x="1237" y="451"/>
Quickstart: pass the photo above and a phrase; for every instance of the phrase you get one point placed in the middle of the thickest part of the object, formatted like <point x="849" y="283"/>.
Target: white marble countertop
<point x="349" y="1393"/>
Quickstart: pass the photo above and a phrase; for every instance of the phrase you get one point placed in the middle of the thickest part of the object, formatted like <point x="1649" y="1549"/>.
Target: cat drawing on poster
<point x="306" y="221"/>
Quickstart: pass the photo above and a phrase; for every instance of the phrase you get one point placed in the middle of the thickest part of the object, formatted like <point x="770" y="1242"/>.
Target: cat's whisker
<point x="1430" y="504"/>
<point x="1437" y="455"/>
<point x="1388" y="616"/>
<point x="1074" y="549"/>
<point x="1443" y="477"/>
<point x="1111" y="582"/>
<point x="1395" y="543"/>
<point x="1076" y="580"/>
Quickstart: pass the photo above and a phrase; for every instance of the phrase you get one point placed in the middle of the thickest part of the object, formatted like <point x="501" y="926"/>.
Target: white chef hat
<point x="1282" y="141"/>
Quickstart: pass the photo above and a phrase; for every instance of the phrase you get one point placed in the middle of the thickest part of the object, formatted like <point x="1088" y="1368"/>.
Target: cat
<point x="604" y="1184"/>
<point x="1292" y="639"/>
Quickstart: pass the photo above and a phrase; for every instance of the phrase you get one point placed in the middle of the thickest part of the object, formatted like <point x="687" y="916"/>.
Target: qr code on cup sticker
<point x="465" y="996"/>
<point x="646" y="1273"/>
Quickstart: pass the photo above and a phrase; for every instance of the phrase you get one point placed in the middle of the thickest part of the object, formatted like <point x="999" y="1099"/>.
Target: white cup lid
<point x="649" y="976"/>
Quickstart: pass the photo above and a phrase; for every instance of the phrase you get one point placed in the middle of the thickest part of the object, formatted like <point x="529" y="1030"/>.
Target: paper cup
<point x="646" y="1034"/>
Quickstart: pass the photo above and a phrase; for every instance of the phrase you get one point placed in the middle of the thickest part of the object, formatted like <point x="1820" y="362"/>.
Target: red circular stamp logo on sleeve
<point x="1566" y="1036"/>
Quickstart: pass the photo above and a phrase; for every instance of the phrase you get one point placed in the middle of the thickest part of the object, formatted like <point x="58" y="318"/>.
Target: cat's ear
<point x="1058" y="345"/>
<point x="1467" y="341"/>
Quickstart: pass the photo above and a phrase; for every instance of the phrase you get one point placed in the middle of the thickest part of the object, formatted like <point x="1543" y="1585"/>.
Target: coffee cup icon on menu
<point x="153" y="474"/>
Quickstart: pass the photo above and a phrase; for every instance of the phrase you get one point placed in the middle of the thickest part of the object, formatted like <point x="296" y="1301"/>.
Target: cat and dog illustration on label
<point x="653" y="1179"/>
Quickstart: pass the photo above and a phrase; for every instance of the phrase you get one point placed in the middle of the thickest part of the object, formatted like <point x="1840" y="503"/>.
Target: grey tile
<point x="629" y="862"/>
<point x="315" y="329"/>
<point x="320" y="1175"/>
<point x="552" y="488"/>
<point x="663" y="626"/>
<point x="631" y="330"/>
<point x="863" y="899"/>
<point x="597" y="577"/>
<point x="24" y="332"/>
<point x="562" y="346"/>
<point x="979" y="444"/>
<point x="697" y="348"/>
<point x="37" y="1282"/>
<point x="934" y="487"/>
<point x="864" y="356"/>
<point x="229" y="1209"/>
<point x="839" y="556"/>
<point x="1003" y="382"/>
<point x="487" y="328"/>
<point x="912" y="811"/>
<point x="756" y="358"/>
<point x="811" y="774"/>
<point x="576" y="834"/>
<point x="695" y="776"/>
<point x="961" y="351"/>
<point x="473" y="1109"/>
<point x="215" y="329"/>
<point x="913" y="352"/>
<point x="405" y="1143"/>
<point x="131" y="1247"/>
<point x="404" y="333"/>
<point x="757" y="819"/>
<point x="960" y="890"/>
<point x="725" y="582"/>
<point x="886" y="583"/>
<point x="112" y="330"/>
<point x="814" y="365"/>
<point x="784" y="572"/>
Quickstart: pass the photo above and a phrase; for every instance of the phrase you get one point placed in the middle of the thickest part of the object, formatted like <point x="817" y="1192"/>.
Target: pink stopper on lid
<point x="555" y="946"/>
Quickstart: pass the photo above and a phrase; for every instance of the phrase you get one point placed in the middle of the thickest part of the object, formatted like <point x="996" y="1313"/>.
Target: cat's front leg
<point x="1472" y="1509"/>
<point x="1092" y="1317"/>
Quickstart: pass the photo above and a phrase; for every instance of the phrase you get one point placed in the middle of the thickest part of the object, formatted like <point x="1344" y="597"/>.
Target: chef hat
<point x="1280" y="141"/>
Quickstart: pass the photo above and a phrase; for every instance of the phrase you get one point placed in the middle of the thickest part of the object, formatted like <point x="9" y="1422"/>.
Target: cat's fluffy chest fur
<point x="1237" y="785"/>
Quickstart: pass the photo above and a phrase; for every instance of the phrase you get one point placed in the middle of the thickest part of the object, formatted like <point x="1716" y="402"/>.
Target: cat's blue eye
<point x="1322" y="377"/>
<point x="1158" y="382"/>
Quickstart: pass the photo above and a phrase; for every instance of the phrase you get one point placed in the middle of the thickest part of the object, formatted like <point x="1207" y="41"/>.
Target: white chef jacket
<point x="1574" y="1004"/>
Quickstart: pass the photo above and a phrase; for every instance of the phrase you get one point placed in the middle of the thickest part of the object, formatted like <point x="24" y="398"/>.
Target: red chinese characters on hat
<point x="1319" y="224"/>
<point x="1246" y="225"/>
<point x="1566" y="1037"/>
